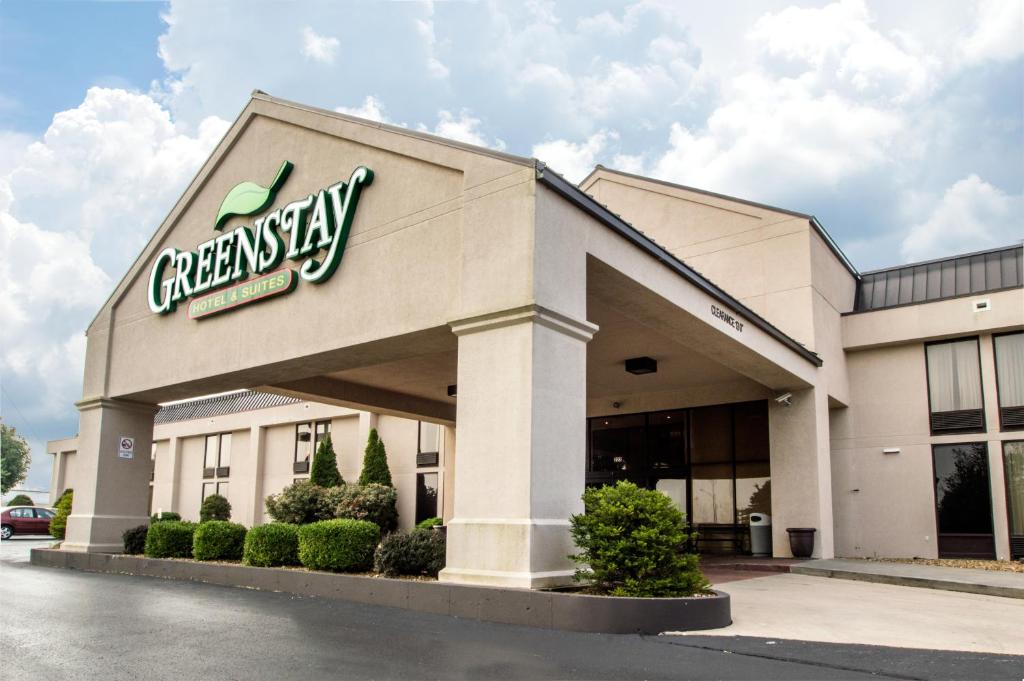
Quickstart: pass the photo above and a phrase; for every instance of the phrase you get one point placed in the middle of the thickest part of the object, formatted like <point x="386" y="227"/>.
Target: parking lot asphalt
<point x="62" y="624"/>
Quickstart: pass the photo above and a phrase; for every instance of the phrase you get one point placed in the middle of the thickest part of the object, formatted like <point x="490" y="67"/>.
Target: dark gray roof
<point x="218" y="405"/>
<point x="925" y="282"/>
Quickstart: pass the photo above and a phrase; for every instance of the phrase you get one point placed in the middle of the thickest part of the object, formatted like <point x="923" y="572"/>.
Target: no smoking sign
<point x="126" y="448"/>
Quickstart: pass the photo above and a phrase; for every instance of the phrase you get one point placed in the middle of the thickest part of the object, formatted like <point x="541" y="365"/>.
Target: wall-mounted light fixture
<point x="452" y="390"/>
<point x="642" y="365"/>
<point x="891" y="450"/>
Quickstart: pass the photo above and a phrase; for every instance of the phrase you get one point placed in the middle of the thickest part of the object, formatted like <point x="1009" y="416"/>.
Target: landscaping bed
<point x="994" y="565"/>
<point x="543" y="609"/>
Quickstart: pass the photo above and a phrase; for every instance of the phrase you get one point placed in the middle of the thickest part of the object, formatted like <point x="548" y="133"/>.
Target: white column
<point x="257" y="454"/>
<point x="111" y="493"/>
<point x="522" y="437"/>
<point x="801" y="471"/>
<point x="174" y="449"/>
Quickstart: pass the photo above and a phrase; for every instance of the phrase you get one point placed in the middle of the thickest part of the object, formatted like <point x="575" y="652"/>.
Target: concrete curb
<point x="911" y="580"/>
<point x="523" y="607"/>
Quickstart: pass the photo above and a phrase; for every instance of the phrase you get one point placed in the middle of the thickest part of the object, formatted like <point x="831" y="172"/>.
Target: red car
<point x="24" y="520"/>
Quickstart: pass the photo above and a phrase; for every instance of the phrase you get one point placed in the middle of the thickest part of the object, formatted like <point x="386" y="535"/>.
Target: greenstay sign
<point x="312" y="231"/>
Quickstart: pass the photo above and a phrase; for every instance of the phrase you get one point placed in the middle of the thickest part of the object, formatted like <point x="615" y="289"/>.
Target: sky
<point x="900" y="125"/>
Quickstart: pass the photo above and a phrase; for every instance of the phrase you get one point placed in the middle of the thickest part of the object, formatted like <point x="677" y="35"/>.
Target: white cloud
<point x="465" y="128"/>
<point x="574" y="161"/>
<point x="320" y="48"/>
<point x="425" y="28"/>
<point x="972" y="215"/>
<point x="371" y="109"/>
<point x="998" y="34"/>
<point x="76" y="207"/>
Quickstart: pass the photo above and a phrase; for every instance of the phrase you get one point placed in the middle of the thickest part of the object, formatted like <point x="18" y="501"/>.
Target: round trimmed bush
<point x="299" y="503"/>
<point x="214" y="507"/>
<point x="272" y="544"/>
<point x="135" y="539"/>
<point x="341" y="545"/>
<point x="20" y="500"/>
<point x="59" y="522"/>
<point x="164" y="515"/>
<point x="632" y="542"/>
<point x="373" y="502"/>
<point x="410" y="553"/>
<point x="170" y="539"/>
<point x="218" y="540"/>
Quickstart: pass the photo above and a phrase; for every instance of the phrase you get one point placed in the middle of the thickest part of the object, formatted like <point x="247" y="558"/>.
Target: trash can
<point x="801" y="541"/>
<point x="760" y="534"/>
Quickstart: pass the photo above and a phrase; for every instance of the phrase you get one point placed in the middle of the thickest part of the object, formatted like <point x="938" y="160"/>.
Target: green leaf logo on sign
<point x="248" y="198"/>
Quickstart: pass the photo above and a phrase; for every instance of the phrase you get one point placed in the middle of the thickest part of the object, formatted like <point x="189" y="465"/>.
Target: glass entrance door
<point x="963" y="502"/>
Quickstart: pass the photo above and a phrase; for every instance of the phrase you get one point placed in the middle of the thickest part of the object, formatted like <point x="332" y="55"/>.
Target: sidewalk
<point x="986" y="582"/>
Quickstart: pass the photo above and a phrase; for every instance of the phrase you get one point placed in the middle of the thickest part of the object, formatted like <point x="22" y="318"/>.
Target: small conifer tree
<point x="324" y="472"/>
<point x="375" y="462"/>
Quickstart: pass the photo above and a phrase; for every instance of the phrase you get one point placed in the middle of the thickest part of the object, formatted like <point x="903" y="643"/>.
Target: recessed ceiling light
<point x="641" y="365"/>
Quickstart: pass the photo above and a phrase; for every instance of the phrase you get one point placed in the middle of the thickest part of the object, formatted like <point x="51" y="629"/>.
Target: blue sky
<point x="898" y="124"/>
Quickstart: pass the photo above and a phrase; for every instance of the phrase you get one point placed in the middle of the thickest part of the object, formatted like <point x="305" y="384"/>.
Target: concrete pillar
<point x="111" y="493"/>
<point x="257" y="455"/>
<point x="996" y="474"/>
<point x="368" y="420"/>
<point x="521" y="464"/>
<point x="57" y="477"/>
<point x="174" y="448"/>
<point x="801" y="470"/>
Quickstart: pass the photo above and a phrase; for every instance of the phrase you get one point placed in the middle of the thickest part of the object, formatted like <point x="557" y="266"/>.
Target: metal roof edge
<point x="921" y="263"/>
<point x="588" y="204"/>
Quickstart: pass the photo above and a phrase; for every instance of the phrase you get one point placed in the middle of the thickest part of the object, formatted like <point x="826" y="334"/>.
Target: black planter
<point x="801" y="541"/>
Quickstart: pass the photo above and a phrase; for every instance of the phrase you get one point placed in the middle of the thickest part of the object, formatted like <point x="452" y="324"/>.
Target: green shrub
<point x="272" y="544"/>
<point x="21" y="500"/>
<point x="375" y="462"/>
<point x="164" y="515"/>
<point x="300" y="503"/>
<point x="218" y="540"/>
<point x="376" y="503"/>
<point x="59" y="522"/>
<point x="170" y="539"/>
<point x="428" y="523"/>
<point x="410" y="553"/>
<point x="135" y="539"/>
<point x="215" y="507"/>
<point x="631" y="542"/>
<point x="339" y="545"/>
<point x="324" y="471"/>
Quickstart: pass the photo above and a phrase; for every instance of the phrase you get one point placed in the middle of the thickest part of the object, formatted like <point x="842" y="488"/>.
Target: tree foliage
<point x="59" y="522"/>
<point x="214" y="507"/>
<point x="375" y="462"/>
<point x="20" y="500"/>
<point x="14" y="458"/>
<point x="324" y="472"/>
<point x="632" y="542"/>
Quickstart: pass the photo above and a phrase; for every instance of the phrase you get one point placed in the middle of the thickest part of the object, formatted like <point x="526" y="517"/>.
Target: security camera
<point x="786" y="399"/>
<point x="616" y="404"/>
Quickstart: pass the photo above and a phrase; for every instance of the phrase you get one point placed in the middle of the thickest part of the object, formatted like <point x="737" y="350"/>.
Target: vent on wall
<point x="1016" y="546"/>
<point x="982" y="305"/>
<point x="1011" y="418"/>
<point x="964" y="420"/>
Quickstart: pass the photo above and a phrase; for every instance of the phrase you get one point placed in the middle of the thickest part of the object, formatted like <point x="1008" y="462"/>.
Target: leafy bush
<point x="218" y="540"/>
<point x="215" y="507"/>
<point x="164" y="515"/>
<point x="410" y="553"/>
<point x="339" y="545"/>
<point x="272" y="544"/>
<point x="21" y="500"/>
<point x="170" y="539"/>
<point x="300" y="503"/>
<point x="428" y="523"/>
<point x="135" y="539"/>
<point x="375" y="462"/>
<point x="631" y="543"/>
<point x="324" y="471"/>
<point x="376" y="503"/>
<point x="59" y="522"/>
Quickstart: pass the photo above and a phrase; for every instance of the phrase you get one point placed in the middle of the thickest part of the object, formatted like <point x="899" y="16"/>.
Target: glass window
<point x="428" y="438"/>
<point x="212" y="446"/>
<point x="1010" y="369"/>
<point x="21" y="513"/>
<point x="426" y="496"/>
<point x="1013" y="464"/>
<point x="225" y="450"/>
<point x="222" y="488"/>
<point x="208" y="489"/>
<point x="323" y="429"/>
<point x="711" y="461"/>
<point x="954" y="376"/>
<point x="666" y="444"/>
<point x="44" y="513"/>
<point x="303" y="442"/>
<point x="963" y="504"/>
<point x="617" y="447"/>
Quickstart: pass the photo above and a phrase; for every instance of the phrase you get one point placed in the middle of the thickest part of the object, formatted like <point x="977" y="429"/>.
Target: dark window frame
<point x="935" y="499"/>
<point x="303" y="466"/>
<point x="431" y="458"/>
<point x="981" y="388"/>
<point x="995" y="360"/>
<point x="1014" y="555"/>
<point x="218" y="471"/>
